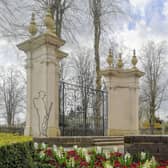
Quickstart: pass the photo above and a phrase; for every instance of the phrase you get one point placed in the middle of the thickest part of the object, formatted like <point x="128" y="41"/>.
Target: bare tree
<point x="154" y="83"/>
<point x="12" y="94"/>
<point x="100" y="11"/>
<point x="96" y="12"/>
<point x="12" y="18"/>
<point x="65" y="14"/>
<point x="84" y="68"/>
<point x="13" y="14"/>
<point x="84" y="75"/>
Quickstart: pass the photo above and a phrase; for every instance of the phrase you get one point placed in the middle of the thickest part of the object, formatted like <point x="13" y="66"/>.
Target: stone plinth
<point x="123" y="100"/>
<point x="42" y="64"/>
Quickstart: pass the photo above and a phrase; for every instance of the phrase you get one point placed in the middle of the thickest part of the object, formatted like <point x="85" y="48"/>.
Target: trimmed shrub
<point x="16" y="151"/>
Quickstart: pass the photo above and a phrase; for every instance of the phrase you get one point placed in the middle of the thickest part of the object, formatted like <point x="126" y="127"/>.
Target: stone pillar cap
<point x="44" y="39"/>
<point x="122" y="72"/>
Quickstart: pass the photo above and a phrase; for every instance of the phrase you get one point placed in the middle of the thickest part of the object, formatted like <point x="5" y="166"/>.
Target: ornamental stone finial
<point x="110" y="58"/>
<point x="48" y="21"/>
<point x="32" y="27"/>
<point x="134" y="59"/>
<point x="120" y="62"/>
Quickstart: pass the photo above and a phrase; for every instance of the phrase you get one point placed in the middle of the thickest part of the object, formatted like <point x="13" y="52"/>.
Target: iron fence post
<point x="63" y="110"/>
<point x="85" y="111"/>
<point x="103" y="111"/>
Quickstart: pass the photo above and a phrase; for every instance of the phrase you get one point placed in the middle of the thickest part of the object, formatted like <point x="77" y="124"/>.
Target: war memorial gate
<point x="56" y="108"/>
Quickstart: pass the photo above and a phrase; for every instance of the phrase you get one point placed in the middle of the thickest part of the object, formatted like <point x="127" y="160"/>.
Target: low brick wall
<point x="156" y="145"/>
<point x="66" y="141"/>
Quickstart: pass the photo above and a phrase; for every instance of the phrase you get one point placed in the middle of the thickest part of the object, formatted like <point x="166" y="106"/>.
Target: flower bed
<point x="93" y="158"/>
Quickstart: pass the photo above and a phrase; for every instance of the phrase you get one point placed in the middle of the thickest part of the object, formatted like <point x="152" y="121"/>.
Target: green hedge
<point x="16" y="151"/>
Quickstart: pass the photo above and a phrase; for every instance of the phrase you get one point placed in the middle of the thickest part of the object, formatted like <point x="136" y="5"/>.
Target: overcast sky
<point x="148" y="21"/>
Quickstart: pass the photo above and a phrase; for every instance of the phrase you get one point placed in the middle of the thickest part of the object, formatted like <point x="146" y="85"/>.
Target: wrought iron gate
<point x="83" y="111"/>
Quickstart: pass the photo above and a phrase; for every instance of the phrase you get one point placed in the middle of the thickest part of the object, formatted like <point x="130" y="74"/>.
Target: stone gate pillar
<point x="123" y="97"/>
<point x="42" y="65"/>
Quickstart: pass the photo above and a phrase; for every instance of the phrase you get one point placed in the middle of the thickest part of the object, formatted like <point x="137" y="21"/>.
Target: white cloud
<point x="139" y="3"/>
<point x="9" y="53"/>
<point x="165" y="8"/>
<point x="134" y="38"/>
<point x="142" y="33"/>
<point x="2" y="43"/>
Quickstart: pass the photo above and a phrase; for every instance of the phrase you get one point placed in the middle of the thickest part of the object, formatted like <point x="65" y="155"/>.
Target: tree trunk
<point x="152" y="120"/>
<point x="97" y="35"/>
<point x="57" y="10"/>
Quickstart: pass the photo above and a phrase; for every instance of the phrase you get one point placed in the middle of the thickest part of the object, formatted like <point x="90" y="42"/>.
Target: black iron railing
<point x="83" y="110"/>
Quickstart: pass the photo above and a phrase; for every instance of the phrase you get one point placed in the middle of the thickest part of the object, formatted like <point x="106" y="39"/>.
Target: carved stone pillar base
<point x="52" y="132"/>
<point x="28" y="131"/>
<point x="118" y="132"/>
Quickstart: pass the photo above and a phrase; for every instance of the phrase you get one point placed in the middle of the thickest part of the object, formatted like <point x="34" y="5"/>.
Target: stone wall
<point x="157" y="145"/>
<point x="13" y="129"/>
<point x="66" y="141"/>
<point x="157" y="131"/>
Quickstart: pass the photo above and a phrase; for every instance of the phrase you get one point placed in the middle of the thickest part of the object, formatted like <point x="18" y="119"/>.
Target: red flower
<point x="98" y="164"/>
<point x="134" y="165"/>
<point x="163" y="163"/>
<point x="71" y="153"/>
<point x="117" y="163"/>
<point x="100" y="158"/>
<point x="76" y="158"/>
<point x="84" y="164"/>
<point x="117" y="154"/>
<point x="48" y="152"/>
